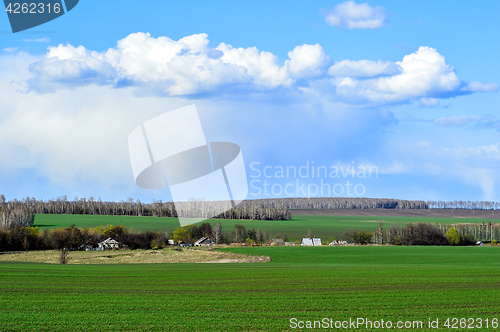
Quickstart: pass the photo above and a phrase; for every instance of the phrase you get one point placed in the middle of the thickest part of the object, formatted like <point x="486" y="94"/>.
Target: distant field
<point x="389" y="283"/>
<point x="418" y="213"/>
<point x="322" y="226"/>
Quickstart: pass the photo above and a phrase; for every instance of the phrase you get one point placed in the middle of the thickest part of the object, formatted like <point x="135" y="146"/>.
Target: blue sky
<point x="410" y="88"/>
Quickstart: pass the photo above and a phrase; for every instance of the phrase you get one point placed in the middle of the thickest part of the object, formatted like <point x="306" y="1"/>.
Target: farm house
<point x="109" y="243"/>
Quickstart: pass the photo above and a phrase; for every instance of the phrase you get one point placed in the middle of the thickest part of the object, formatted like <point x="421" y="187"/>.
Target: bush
<point x="355" y="236"/>
<point x="423" y="235"/>
<point x="453" y="237"/>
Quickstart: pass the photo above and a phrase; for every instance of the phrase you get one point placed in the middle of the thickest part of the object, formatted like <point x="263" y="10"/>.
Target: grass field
<point x="167" y="255"/>
<point x="322" y="226"/>
<point x="390" y="283"/>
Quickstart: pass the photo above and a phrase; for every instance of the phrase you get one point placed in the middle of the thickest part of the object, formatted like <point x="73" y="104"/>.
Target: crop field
<point x="337" y="283"/>
<point x="421" y="213"/>
<point x="322" y="226"/>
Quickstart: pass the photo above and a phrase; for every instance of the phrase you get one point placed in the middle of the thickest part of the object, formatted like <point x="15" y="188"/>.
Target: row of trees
<point x="31" y="238"/>
<point x="22" y="212"/>
<point x="189" y="234"/>
<point x="343" y="203"/>
<point x="375" y="203"/>
<point x="466" y="205"/>
<point x="427" y="234"/>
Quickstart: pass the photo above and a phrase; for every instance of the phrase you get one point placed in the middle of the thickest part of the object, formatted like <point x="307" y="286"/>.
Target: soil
<point x="423" y="213"/>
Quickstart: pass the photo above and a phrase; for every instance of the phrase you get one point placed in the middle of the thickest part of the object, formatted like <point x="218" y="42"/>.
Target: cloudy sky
<point x="408" y="88"/>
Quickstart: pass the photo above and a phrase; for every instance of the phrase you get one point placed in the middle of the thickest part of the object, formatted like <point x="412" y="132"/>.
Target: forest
<point x="22" y="212"/>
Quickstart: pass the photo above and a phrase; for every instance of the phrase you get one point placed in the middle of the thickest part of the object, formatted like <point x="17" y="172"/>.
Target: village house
<point x="108" y="244"/>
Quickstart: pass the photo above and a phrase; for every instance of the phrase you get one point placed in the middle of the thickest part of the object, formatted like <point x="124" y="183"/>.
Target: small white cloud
<point x="10" y="49"/>
<point x="457" y="120"/>
<point x="429" y="102"/>
<point x="307" y="61"/>
<point x="364" y="68"/>
<point x="37" y="40"/>
<point x="352" y="15"/>
<point x="480" y="87"/>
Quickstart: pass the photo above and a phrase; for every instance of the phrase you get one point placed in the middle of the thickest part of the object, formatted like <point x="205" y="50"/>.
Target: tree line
<point x="22" y="212"/>
<point x="375" y="203"/>
<point x="20" y="238"/>
<point x="427" y="234"/>
<point x="465" y="205"/>
<point x="344" y="203"/>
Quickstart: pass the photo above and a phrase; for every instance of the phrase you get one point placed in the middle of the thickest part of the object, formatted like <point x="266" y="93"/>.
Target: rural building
<point x="171" y="242"/>
<point x="204" y="241"/>
<point x="289" y="243"/>
<point x="311" y="242"/>
<point x="109" y="243"/>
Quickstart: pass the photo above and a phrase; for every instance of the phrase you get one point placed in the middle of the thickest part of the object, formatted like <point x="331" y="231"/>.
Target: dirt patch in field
<point x="423" y="213"/>
<point x="184" y="255"/>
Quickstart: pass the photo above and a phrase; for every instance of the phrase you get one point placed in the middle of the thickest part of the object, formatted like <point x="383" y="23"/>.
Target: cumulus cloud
<point x="352" y="15"/>
<point x="183" y="67"/>
<point x="189" y="66"/>
<point x="307" y="61"/>
<point x="364" y="68"/>
<point x="423" y="74"/>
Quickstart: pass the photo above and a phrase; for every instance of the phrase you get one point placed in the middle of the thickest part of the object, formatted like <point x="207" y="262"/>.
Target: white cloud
<point x="307" y="61"/>
<point x="457" y="120"/>
<point x="352" y="15"/>
<point x="260" y="67"/>
<point x="183" y="67"/>
<point x="189" y="66"/>
<point x="480" y="87"/>
<point x="37" y="40"/>
<point x="10" y="49"/>
<point x="429" y="102"/>
<point x="71" y="137"/>
<point x="364" y="68"/>
<point x="424" y="73"/>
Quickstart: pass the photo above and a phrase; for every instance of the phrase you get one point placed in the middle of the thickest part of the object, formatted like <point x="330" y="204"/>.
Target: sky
<point x="407" y="90"/>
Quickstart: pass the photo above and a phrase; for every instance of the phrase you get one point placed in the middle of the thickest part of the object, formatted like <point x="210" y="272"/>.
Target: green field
<point x="322" y="226"/>
<point x="338" y="283"/>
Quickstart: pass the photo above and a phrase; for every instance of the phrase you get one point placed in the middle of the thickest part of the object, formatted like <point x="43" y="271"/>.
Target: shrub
<point x="453" y="237"/>
<point x="424" y="235"/>
<point x="359" y="237"/>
